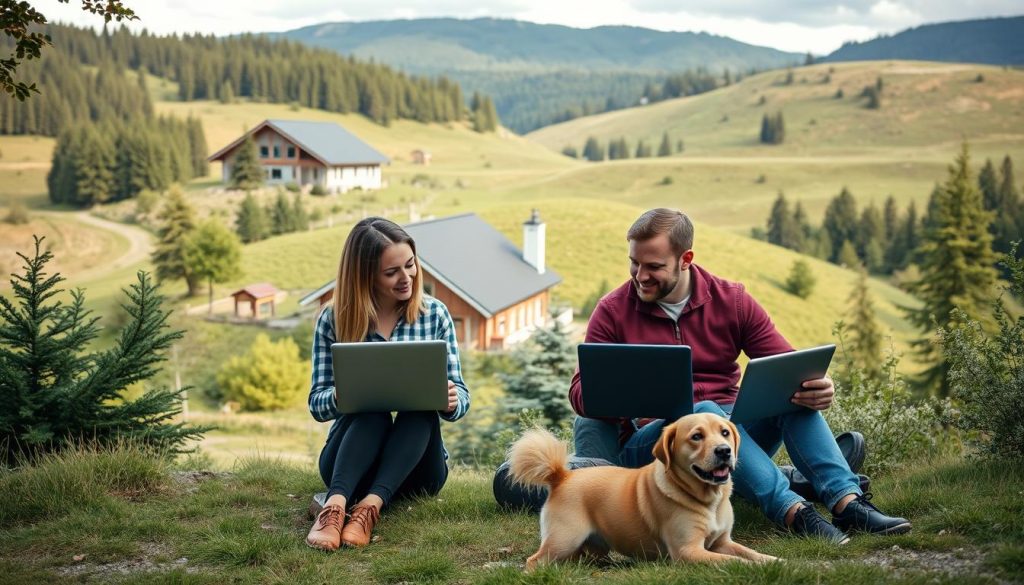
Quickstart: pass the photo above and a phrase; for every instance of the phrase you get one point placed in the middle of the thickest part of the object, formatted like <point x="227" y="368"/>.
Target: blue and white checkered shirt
<point x="433" y="323"/>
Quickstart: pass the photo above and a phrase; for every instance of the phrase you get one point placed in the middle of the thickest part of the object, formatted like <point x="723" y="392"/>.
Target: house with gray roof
<point x="496" y="293"/>
<point x="309" y="153"/>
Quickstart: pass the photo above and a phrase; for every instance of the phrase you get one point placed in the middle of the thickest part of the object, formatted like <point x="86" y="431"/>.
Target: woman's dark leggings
<point x="370" y="453"/>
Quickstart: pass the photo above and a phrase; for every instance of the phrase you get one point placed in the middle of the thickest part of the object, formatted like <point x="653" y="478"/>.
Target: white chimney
<point x="533" y="242"/>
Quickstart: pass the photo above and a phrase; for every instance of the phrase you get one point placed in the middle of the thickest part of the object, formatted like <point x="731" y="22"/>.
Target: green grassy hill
<point x="725" y="177"/>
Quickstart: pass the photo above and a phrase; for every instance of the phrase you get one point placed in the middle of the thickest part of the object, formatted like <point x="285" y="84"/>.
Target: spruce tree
<point x="865" y="334"/>
<point x="782" y="229"/>
<point x="282" y="220"/>
<point x="957" y="267"/>
<point x="891" y="220"/>
<point x="54" y="395"/>
<point x="666" y="145"/>
<point x="176" y="222"/>
<point x="592" y="150"/>
<point x="988" y="184"/>
<point x="800" y="281"/>
<point x="841" y="221"/>
<point x="537" y="379"/>
<point x="251" y="220"/>
<point x="197" y="147"/>
<point x="848" y="255"/>
<point x="870" y="228"/>
<point x="247" y="172"/>
<point x="803" y="225"/>
<point x="300" y="219"/>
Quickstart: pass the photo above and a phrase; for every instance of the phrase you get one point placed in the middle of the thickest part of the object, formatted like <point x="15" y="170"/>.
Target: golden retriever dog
<point x="677" y="506"/>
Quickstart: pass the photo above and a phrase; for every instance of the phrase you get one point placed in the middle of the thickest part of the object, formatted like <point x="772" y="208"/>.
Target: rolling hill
<point x="995" y="41"/>
<point x="726" y="178"/>
<point x="534" y="71"/>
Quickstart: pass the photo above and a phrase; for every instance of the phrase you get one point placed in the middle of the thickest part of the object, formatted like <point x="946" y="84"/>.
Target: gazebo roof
<point x="260" y="290"/>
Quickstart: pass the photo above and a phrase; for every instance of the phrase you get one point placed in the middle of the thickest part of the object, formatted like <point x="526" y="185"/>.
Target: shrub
<point x="986" y="372"/>
<point x="145" y="202"/>
<point x="800" y="281"/>
<point x="666" y="180"/>
<point x="54" y="395"/>
<point x="270" y="376"/>
<point x="292" y="186"/>
<point x="898" y="430"/>
<point x="17" y="214"/>
<point x="318" y="190"/>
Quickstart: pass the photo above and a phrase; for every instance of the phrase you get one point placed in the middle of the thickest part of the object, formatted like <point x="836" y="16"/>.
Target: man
<point x="670" y="300"/>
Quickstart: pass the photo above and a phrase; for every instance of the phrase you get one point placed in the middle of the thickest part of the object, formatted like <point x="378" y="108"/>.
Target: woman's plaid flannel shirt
<point x="434" y="322"/>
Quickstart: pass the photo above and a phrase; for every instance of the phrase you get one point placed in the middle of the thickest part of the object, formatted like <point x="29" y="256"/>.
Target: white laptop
<point x="390" y="376"/>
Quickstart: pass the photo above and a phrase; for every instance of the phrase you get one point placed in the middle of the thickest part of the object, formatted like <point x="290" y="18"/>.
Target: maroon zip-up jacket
<point x="719" y="322"/>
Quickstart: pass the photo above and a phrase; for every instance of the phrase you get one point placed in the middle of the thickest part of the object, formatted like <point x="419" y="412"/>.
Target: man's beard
<point x="664" y="288"/>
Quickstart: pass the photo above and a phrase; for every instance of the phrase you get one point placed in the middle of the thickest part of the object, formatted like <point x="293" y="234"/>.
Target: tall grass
<point x="81" y="478"/>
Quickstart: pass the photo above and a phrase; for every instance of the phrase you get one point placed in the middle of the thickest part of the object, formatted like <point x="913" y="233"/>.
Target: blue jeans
<point x="757" y="479"/>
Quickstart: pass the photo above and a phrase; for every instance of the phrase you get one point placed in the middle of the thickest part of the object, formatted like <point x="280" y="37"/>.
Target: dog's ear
<point x="663" y="448"/>
<point x="735" y="435"/>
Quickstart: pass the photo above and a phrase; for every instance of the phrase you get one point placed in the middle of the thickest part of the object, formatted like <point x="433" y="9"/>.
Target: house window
<point x="275" y="174"/>
<point x="264" y="152"/>
<point x="277" y="151"/>
<point x="291" y="152"/>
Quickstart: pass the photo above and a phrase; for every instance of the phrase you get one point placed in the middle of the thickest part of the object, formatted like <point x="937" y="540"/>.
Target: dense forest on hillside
<point x="82" y="77"/>
<point x="996" y="41"/>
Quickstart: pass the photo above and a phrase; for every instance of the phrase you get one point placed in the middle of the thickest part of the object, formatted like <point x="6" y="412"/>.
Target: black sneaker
<point x="861" y="515"/>
<point x="808" y="522"/>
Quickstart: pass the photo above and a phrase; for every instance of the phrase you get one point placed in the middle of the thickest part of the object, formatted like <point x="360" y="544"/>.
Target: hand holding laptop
<point x="453" y="398"/>
<point x="815" y="394"/>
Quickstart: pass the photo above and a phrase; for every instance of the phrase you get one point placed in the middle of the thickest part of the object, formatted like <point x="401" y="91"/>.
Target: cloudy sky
<point x="791" y="25"/>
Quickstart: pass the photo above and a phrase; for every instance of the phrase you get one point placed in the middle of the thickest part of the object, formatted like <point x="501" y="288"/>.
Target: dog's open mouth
<point x="717" y="475"/>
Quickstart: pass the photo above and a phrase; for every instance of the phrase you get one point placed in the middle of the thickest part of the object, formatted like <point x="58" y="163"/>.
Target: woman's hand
<point x="453" y="398"/>
<point x="816" y="394"/>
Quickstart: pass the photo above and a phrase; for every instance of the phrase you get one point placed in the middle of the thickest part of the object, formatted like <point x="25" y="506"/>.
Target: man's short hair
<point x="664" y="221"/>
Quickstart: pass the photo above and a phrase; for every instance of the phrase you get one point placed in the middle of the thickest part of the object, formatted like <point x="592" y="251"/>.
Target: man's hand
<point x="453" y="398"/>
<point x="815" y="394"/>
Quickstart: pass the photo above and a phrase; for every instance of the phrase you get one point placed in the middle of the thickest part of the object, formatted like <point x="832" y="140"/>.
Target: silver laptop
<point x="391" y="376"/>
<point x="770" y="382"/>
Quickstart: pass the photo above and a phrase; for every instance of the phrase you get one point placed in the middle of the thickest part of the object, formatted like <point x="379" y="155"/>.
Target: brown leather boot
<point x="360" y="526"/>
<point x="326" y="531"/>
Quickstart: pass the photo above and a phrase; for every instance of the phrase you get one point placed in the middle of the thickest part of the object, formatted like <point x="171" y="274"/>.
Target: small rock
<point x="498" y="564"/>
<point x="943" y="532"/>
<point x="505" y="550"/>
<point x="78" y="558"/>
<point x="292" y="496"/>
<point x="896" y="547"/>
<point x="375" y="538"/>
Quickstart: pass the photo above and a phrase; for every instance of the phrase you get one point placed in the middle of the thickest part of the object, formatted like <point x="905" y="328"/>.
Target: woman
<point x="370" y="458"/>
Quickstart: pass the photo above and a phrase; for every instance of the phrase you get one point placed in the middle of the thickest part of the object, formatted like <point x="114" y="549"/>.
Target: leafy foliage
<point x="212" y="253"/>
<point x="53" y="395"/>
<point x="986" y="372"/>
<point x="899" y="429"/>
<point x="270" y="376"/>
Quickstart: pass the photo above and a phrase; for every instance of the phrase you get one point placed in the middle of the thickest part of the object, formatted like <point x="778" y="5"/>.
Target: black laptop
<point x="636" y="381"/>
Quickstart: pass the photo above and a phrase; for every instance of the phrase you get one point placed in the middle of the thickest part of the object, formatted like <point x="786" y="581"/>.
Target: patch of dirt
<point x="1009" y="94"/>
<point x="146" y="563"/>
<point x="963" y="104"/>
<point x="929" y="70"/>
<point x="961" y="561"/>
<point x="189" y="481"/>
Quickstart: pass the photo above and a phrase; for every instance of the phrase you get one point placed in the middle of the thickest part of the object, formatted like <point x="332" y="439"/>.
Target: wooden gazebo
<point x="258" y="296"/>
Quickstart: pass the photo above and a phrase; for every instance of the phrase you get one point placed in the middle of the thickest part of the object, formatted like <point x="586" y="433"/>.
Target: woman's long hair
<point x="355" y="310"/>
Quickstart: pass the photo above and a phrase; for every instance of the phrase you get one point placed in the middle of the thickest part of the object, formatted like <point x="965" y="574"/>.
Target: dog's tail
<point x="538" y="458"/>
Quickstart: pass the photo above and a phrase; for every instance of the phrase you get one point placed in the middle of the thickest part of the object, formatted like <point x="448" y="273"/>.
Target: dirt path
<point x="140" y="242"/>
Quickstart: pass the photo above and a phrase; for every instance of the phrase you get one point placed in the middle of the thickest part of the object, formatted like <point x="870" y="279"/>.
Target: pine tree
<point x="848" y="255"/>
<point x="53" y="395"/>
<point x="246" y="171"/>
<point x="782" y="229"/>
<point x="800" y="281"/>
<point x="988" y="184"/>
<point x="226" y="94"/>
<point x="666" y="145"/>
<point x="870" y="228"/>
<point x="865" y="334"/>
<point x="537" y="377"/>
<point x="197" y="147"/>
<point x="841" y="221"/>
<point x="300" y="219"/>
<point x="177" y="222"/>
<point x="251" y="220"/>
<point x="212" y="253"/>
<point x="593" y="151"/>
<point x="282" y="220"/>
<point x="956" y="267"/>
<point x="891" y="220"/>
<point x="803" y="225"/>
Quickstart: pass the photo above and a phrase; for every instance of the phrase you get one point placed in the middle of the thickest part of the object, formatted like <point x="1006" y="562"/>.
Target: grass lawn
<point x="126" y="518"/>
